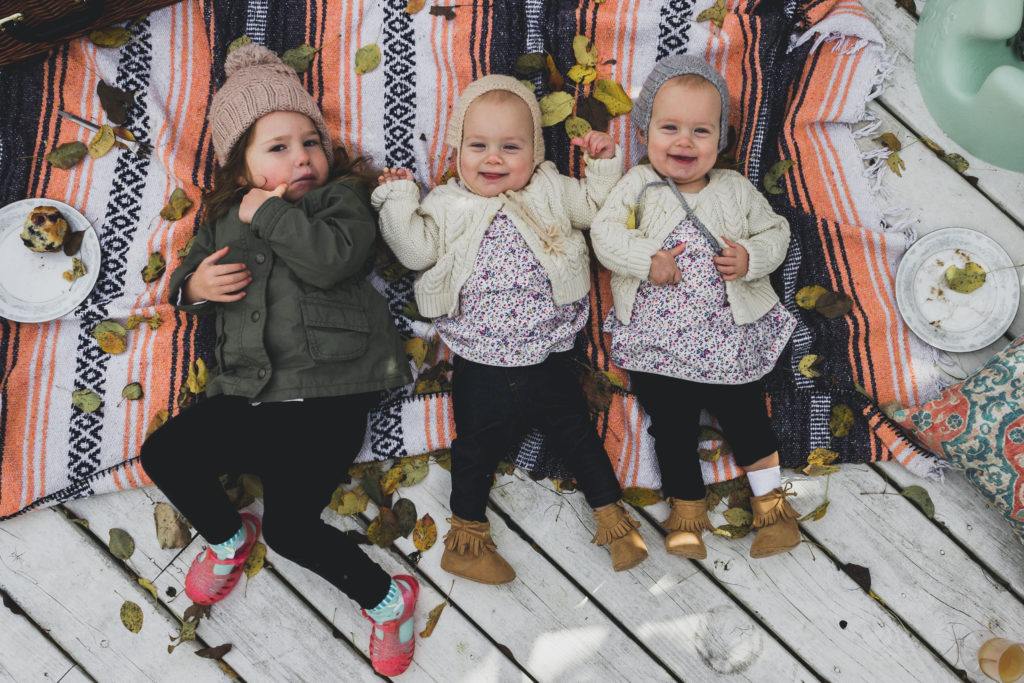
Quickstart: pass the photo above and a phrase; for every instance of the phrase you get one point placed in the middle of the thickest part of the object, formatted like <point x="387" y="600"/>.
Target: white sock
<point x="764" y="481"/>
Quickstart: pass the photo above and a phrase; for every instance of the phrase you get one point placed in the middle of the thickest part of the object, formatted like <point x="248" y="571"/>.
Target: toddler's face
<point x="682" y="141"/>
<point x="497" y="146"/>
<point x="285" y="148"/>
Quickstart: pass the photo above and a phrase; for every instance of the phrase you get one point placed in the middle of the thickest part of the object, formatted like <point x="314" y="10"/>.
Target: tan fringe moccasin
<point x="687" y="521"/>
<point x="470" y="552"/>
<point x="775" y="521"/>
<point x="617" y="530"/>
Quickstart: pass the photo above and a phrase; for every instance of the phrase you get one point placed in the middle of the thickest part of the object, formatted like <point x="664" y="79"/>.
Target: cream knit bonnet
<point x="478" y="88"/>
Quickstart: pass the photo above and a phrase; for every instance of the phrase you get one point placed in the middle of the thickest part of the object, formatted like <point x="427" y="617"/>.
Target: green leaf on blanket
<point x="384" y="529"/>
<point x="414" y="6"/>
<point x="85" y="400"/>
<point x="807" y="297"/>
<point x="405" y="513"/>
<point x="112" y="36"/>
<point x="154" y="321"/>
<point x="67" y="155"/>
<point x="614" y="98"/>
<point x="157" y="421"/>
<point x="171" y="530"/>
<point x="528" y="85"/>
<point x="198" y="375"/>
<point x="371" y="485"/>
<point x="121" y="544"/>
<point x="709" y="434"/>
<point x="114" y="101"/>
<point x="183" y="252"/>
<point x="367" y="58"/>
<point x="889" y="140"/>
<point x="816" y="514"/>
<point x="639" y="496"/>
<point x="442" y="11"/>
<point x="710" y="454"/>
<point x="110" y="337"/>
<point x="416" y="469"/>
<point x="597" y="389"/>
<point x="585" y="51"/>
<point x="967" y="279"/>
<point x="256" y="560"/>
<point x="822" y="456"/>
<point x="131" y="616"/>
<point x="101" y="142"/>
<point x="432" y="618"/>
<point x="132" y="392"/>
<point x="416" y="349"/>
<point x="239" y="42"/>
<point x="581" y="74"/>
<point x="427" y="386"/>
<point x="393" y="271"/>
<point x="739" y="517"/>
<point x="364" y="469"/>
<point x="809" y="366"/>
<point x="530" y="63"/>
<point x="896" y="164"/>
<point x="412" y="311"/>
<point x="555" y="107"/>
<point x="815" y="470"/>
<point x="177" y="204"/>
<point x="841" y="421"/>
<point x="833" y="304"/>
<point x="732" y="531"/>
<point x="77" y="270"/>
<point x="715" y="14"/>
<point x="424" y="534"/>
<point x="300" y="58"/>
<point x="349" y="502"/>
<point x="154" y="268"/>
<point x="774" y="174"/>
<point x="919" y="496"/>
<point x="594" y="112"/>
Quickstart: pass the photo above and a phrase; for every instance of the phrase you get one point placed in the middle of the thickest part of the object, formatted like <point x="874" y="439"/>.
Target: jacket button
<point x="260" y="258"/>
<point x="262" y="373"/>
<point x="255" y="316"/>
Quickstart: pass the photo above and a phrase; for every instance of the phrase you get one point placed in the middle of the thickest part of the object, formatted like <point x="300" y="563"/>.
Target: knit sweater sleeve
<point x="583" y="197"/>
<point x="621" y="250"/>
<point x="408" y="227"/>
<point x="767" y="232"/>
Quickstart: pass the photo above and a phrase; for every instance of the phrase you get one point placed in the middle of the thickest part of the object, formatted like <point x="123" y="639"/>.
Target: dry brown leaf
<point x="131" y="616"/>
<point x="841" y="421"/>
<point x="156" y="422"/>
<point x="432" y="618"/>
<point x="101" y="142"/>
<point x="154" y="268"/>
<point x="171" y="530"/>
<point x="414" y="6"/>
<point x="148" y="585"/>
<point x="424" y="534"/>
<point x="640" y="496"/>
<point x="822" y="456"/>
<point x="715" y="14"/>
<point x="177" y="204"/>
<point x="390" y="480"/>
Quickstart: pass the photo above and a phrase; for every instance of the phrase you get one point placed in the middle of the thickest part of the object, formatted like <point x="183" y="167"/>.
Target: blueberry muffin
<point x="44" y="229"/>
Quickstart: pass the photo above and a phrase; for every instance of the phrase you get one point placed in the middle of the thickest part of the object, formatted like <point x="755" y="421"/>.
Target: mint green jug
<point x="971" y="75"/>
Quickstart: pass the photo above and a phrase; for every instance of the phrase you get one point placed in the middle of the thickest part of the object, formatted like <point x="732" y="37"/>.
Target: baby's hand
<point x="215" y="282"/>
<point x="254" y="199"/>
<point x="733" y="262"/>
<point x="390" y="175"/>
<point x="597" y="144"/>
<point x="664" y="270"/>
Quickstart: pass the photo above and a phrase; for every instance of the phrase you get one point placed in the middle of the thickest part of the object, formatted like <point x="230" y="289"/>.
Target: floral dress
<point x="507" y="315"/>
<point x="687" y="330"/>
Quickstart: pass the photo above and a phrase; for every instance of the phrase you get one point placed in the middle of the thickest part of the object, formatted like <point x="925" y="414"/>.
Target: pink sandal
<point x="203" y="585"/>
<point x="389" y="655"/>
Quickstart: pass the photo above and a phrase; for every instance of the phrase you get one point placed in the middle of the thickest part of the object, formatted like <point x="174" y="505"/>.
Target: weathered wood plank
<point x="666" y="602"/>
<point x="27" y="655"/>
<point x="74" y="590"/>
<point x="937" y="590"/>
<point x="551" y="628"/>
<point x="903" y="97"/>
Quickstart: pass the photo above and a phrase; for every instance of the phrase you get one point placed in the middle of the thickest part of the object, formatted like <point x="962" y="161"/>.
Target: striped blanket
<point x="800" y="72"/>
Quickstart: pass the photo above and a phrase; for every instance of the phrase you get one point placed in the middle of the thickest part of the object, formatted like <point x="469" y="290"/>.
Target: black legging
<point x="301" y="450"/>
<point x="674" y="407"/>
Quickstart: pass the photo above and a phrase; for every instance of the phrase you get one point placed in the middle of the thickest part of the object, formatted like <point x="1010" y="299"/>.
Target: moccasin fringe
<point x="463" y="540"/>
<point x="613" y="523"/>
<point x="677" y="521"/>
<point x="778" y="508"/>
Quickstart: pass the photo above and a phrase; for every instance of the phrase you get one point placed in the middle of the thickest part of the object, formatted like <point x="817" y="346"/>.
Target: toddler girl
<point x="695" y="320"/>
<point x="507" y="277"/>
<point x="303" y="345"/>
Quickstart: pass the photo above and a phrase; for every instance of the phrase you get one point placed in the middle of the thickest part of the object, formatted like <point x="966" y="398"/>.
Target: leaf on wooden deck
<point x="639" y="496"/>
<point x="405" y="513"/>
<point x="822" y="456"/>
<point x="350" y="502"/>
<point x="256" y="560"/>
<point x="817" y="513"/>
<point x="214" y="652"/>
<point x="121" y="544"/>
<point x="383" y="530"/>
<point x="364" y="469"/>
<point x="131" y="616"/>
<point x="896" y="164"/>
<point x="416" y="469"/>
<point x="919" y="496"/>
<point x="371" y="485"/>
<point x="815" y="470"/>
<point x="432" y="618"/>
<point x="860" y="575"/>
<point x="739" y="517"/>
<point x="148" y="585"/>
<point x="732" y="531"/>
<point x="890" y="140"/>
<point x="443" y="458"/>
<point x="424" y="534"/>
<point x="391" y="479"/>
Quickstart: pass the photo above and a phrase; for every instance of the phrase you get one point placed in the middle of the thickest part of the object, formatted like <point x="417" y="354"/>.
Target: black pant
<point x="301" y="450"/>
<point x="674" y="407"/>
<point x="493" y="408"/>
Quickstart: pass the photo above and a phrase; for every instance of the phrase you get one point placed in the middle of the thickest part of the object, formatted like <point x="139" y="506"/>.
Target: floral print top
<point x="507" y="315"/>
<point x="687" y="331"/>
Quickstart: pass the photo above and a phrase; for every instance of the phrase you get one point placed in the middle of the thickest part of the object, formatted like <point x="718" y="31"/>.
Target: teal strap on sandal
<point x="207" y="581"/>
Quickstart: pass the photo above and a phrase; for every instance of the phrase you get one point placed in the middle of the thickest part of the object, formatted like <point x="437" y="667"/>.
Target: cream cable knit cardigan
<point x="442" y="235"/>
<point x="729" y="206"/>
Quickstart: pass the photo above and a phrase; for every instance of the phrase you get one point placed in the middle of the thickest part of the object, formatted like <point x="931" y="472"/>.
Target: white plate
<point x="950" y="320"/>
<point x="32" y="289"/>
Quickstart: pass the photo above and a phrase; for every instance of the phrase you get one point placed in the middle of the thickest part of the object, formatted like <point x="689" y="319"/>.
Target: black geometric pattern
<point x="387" y="440"/>
<point x="120" y="223"/>
<point x="673" y="28"/>
<point x="399" y="60"/>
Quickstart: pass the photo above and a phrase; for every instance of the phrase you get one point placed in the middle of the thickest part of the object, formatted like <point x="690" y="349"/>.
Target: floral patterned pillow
<point x="978" y="427"/>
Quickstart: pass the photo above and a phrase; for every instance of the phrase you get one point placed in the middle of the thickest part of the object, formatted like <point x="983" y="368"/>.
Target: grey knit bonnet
<point x="259" y="83"/>
<point x="679" y="65"/>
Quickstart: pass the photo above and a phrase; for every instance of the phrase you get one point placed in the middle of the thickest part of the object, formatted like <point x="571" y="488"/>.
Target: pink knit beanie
<point x="259" y="83"/>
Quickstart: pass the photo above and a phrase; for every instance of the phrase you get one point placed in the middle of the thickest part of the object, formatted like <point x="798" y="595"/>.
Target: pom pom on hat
<point x="259" y="83"/>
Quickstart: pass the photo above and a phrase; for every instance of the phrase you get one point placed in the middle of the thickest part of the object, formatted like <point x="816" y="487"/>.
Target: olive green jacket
<point x="310" y="324"/>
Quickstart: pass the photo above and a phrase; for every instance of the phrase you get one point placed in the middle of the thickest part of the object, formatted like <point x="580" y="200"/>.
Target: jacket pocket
<point x="334" y="331"/>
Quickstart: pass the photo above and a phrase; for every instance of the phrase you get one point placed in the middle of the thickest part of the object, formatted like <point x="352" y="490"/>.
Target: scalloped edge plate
<point x="949" y="320"/>
<point x="31" y="287"/>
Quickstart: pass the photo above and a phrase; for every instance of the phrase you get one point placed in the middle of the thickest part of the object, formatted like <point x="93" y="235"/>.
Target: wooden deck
<point x="938" y="587"/>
